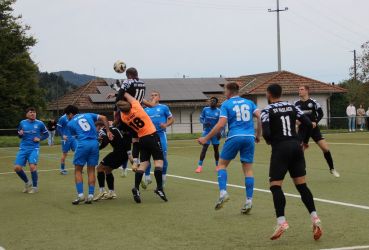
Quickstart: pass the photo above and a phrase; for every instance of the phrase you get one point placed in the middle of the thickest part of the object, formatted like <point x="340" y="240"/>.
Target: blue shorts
<point x="243" y="144"/>
<point x="24" y="155"/>
<point x="87" y="153"/>
<point x="214" y="140"/>
<point x="69" y="145"/>
<point x="163" y="141"/>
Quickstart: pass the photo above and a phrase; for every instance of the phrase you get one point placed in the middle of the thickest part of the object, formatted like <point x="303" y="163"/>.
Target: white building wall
<point x="322" y="99"/>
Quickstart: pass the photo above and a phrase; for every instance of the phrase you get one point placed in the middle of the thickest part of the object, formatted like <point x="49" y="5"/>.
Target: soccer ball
<point x="119" y="66"/>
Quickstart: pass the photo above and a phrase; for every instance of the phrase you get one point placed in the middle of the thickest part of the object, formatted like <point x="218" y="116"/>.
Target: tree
<point x="51" y="83"/>
<point x="362" y="64"/>
<point x="18" y="73"/>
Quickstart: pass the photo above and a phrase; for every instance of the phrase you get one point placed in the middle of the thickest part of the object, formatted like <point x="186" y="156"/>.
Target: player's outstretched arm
<point x="169" y="122"/>
<point x="148" y="103"/>
<point x="129" y="98"/>
<point x="216" y="130"/>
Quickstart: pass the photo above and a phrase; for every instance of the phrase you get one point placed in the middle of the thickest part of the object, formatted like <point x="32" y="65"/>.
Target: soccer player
<point x="68" y="142"/>
<point x="162" y="118"/>
<point x="209" y="118"/>
<point x="111" y="161"/>
<point x="135" y="116"/>
<point x="82" y="126"/>
<point x="239" y="113"/>
<point x="31" y="131"/>
<point x="314" y="112"/>
<point x="279" y="122"/>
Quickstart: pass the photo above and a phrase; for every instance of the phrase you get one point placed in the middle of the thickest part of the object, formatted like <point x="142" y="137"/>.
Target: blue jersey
<point x="62" y="126"/>
<point x="159" y="114"/>
<point x="83" y="126"/>
<point x="209" y="118"/>
<point x="32" y="129"/>
<point x="239" y="113"/>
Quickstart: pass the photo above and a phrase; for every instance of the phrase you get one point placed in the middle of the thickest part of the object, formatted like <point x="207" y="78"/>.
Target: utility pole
<point x="355" y="68"/>
<point x="57" y="99"/>
<point x="278" y="34"/>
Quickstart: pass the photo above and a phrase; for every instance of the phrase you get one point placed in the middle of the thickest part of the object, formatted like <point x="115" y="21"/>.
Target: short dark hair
<point x="306" y="87"/>
<point x="233" y="87"/>
<point x="30" y="109"/>
<point x="275" y="90"/>
<point x="71" y="109"/>
<point x="214" y="98"/>
<point x="132" y="73"/>
<point x="99" y="123"/>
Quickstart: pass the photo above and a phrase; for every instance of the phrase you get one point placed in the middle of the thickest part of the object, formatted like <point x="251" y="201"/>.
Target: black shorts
<point x="150" y="146"/>
<point x="315" y="134"/>
<point x="114" y="159"/>
<point x="287" y="156"/>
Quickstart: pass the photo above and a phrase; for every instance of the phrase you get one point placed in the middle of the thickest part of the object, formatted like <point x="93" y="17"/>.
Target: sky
<point x="196" y="38"/>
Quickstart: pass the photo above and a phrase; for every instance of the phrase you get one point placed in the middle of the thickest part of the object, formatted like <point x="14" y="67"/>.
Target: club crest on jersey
<point x="35" y="126"/>
<point x="158" y="109"/>
<point x="310" y="105"/>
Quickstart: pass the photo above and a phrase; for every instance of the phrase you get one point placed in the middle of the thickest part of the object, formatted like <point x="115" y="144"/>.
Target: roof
<point x="258" y="83"/>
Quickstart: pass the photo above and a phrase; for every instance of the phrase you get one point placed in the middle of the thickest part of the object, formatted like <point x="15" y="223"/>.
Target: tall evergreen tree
<point x="18" y="73"/>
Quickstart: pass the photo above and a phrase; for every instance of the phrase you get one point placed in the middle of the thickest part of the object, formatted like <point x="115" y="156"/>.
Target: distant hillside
<point x="54" y="86"/>
<point x="77" y="79"/>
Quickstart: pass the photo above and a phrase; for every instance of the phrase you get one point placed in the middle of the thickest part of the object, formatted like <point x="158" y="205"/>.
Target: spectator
<point x="351" y="114"/>
<point x="51" y="127"/>
<point x="367" y="119"/>
<point x="361" y="117"/>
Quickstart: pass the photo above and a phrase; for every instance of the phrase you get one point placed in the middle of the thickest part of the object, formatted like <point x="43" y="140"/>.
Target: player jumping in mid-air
<point x="135" y="116"/>
<point x="31" y="131"/>
<point x="162" y="118"/>
<point x="68" y="142"/>
<point x="314" y="112"/>
<point x="111" y="161"/>
<point x="279" y="122"/>
<point x="209" y="118"/>
<point x="239" y="113"/>
<point x="87" y="152"/>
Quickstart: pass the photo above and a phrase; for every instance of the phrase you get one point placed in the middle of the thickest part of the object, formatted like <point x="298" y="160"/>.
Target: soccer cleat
<point x="334" y="173"/>
<point x="161" y="194"/>
<point x="136" y="195"/>
<point x="112" y="195"/>
<point x="78" y="200"/>
<point x="317" y="228"/>
<point x="198" y="169"/>
<point x="279" y="230"/>
<point x="27" y="187"/>
<point x="145" y="183"/>
<point x="246" y="208"/>
<point x="63" y="172"/>
<point x="220" y="202"/>
<point x="33" y="190"/>
<point x="124" y="172"/>
<point x="100" y="196"/>
<point x="89" y="199"/>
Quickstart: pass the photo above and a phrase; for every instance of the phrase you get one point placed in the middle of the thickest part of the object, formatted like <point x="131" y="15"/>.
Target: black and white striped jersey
<point x="311" y="108"/>
<point x="134" y="87"/>
<point x="117" y="143"/>
<point x="279" y="122"/>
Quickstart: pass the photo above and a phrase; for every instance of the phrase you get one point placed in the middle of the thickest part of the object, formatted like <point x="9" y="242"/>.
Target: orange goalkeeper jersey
<point x="138" y="120"/>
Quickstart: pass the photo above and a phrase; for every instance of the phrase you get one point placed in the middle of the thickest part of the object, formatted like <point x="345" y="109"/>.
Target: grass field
<point x="47" y="220"/>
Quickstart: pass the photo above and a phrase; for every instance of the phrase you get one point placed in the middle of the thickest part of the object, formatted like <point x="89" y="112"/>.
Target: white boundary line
<point x="347" y="248"/>
<point x="236" y="186"/>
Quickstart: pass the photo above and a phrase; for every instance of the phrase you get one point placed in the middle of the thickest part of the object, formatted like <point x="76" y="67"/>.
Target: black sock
<point x="203" y="152"/>
<point x="138" y="178"/>
<point x="306" y="197"/>
<point x="158" y="173"/>
<point x="101" y="179"/>
<point x="110" y="181"/>
<point x="328" y="158"/>
<point x="279" y="200"/>
<point x="135" y="150"/>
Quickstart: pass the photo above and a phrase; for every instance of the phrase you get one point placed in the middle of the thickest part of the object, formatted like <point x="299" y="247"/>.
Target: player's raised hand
<point x="110" y="136"/>
<point x="202" y="140"/>
<point x="36" y="139"/>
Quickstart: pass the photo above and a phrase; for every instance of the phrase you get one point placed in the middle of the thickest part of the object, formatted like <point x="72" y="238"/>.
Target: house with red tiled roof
<point x="187" y="96"/>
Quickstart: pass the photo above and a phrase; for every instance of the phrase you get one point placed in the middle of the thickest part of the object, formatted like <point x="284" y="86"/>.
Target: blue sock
<point x="148" y="169"/>
<point x="23" y="176"/>
<point x="216" y="163"/>
<point x="62" y="166"/>
<point x="200" y="163"/>
<point x="165" y="166"/>
<point x="249" y="184"/>
<point x="222" y="179"/>
<point x="79" y="187"/>
<point x="91" y="190"/>
<point x="34" y="178"/>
